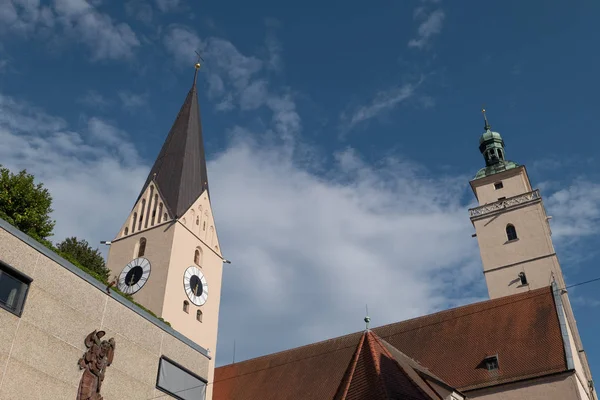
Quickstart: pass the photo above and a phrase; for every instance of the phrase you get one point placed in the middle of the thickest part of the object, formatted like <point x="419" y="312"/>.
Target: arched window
<point x="199" y="315"/>
<point x="126" y="230"/>
<point x="142" y="248"/>
<point x="197" y="220"/>
<point x="511" y="232"/>
<point x="133" y="221"/>
<point x="149" y="206"/>
<point x="142" y="214"/>
<point x="198" y="257"/>
<point x="160" y="213"/>
<point x="154" y="210"/>
<point x="211" y="235"/>
<point x="186" y="306"/>
<point x="165" y="217"/>
<point x="204" y="226"/>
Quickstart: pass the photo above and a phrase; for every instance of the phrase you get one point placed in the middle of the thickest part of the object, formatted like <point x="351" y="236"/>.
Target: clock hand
<point x="196" y="290"/>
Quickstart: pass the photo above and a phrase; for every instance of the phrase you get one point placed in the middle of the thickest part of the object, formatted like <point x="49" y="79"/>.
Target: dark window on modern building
<point x="13" y="289"/>
<point x="498" y="185"/>
<point x="511" y="232"/>
<point x="179" y="382"/>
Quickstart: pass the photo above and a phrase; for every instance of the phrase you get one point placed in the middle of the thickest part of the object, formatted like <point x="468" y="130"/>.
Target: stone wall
<point x="40" y="348"/>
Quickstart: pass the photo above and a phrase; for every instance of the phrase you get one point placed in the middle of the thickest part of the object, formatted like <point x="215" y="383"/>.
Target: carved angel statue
<point x="98" y="356"/>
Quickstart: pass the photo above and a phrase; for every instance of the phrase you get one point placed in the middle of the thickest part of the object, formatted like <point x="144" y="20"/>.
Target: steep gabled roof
<point x="376" y="373"/>
<point x="522" y="329"/>
<point x="180" y="168"/>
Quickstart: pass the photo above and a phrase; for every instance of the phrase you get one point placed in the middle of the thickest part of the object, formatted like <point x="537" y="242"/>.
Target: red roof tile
<point x="522" y="329"/>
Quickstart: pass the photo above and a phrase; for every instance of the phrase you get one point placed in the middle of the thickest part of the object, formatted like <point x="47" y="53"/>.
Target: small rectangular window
<point x="13" y="289"/>
<point x="498" y="185"/>
<point x="179" y="382"/>
<point x="501" y="198"/>
<point x="491" y="363"/>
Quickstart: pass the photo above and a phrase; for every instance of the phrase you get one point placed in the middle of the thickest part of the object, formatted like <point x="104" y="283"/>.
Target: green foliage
<point x="24" y="204"/>
<point x="81" y="251"/>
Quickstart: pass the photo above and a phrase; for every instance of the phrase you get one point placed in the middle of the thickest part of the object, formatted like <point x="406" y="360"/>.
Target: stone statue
<point x="98" y="356"/>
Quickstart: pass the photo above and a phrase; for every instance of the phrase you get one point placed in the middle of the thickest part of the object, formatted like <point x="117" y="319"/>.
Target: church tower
<point x="167" y="254"/>
<point x="515" y="238"/>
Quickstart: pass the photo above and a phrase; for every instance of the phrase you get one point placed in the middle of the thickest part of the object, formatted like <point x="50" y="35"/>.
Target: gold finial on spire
<point x="487" y="125"/>
<point x="197" y="66"/>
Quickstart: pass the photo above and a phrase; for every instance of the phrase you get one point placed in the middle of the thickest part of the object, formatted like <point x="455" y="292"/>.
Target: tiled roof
<point x="523" y="330"/>
<point x="180" y="168"/>
<point x="376" y="373"/>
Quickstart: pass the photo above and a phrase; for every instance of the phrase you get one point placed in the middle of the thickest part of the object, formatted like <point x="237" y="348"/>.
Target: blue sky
<point x="354" y="127"/>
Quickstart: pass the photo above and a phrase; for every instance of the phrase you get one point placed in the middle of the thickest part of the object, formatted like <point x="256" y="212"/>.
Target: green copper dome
<point x="491" y="146"/>
<point x="489" y="135"/>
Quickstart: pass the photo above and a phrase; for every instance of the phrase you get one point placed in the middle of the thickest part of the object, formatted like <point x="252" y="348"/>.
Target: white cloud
<point x="93" y="175"/>
<point x="167" y="5"/>
<point x="575" y="209"/>
<point x="132" y="100"/>
<point x="94" y="99"/>
<point x="80" y="21"/>
<point x="432" y="25"/>
<point x="384" y="101"/>
<point x="182" y="43"/>
<point x="235" y="79"/>
<point x="140" y="10"/>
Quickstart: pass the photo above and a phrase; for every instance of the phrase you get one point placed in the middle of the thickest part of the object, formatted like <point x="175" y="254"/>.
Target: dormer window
<point x="498" y="185"/>
<point x="491" y="363"/>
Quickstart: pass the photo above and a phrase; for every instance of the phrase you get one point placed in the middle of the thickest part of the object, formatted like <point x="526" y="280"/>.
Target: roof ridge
<point x="530" y="293"/>
<point x="371" y="337"/>
<point x="351" y="369"/>
<point x="294" y="348"/>
<point x="377" y="339"/>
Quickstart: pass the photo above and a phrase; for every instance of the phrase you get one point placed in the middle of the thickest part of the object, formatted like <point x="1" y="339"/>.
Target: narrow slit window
<point x="197" y="257"/>
<point x="133" y="221"/>
<point x="186" y="306"/>
<point x="142" y="248"/>
<point x="199" y="315"/>
<point x="511" y="232"/>
<point x="154" y="210"/>
<point x="142" y="214"/>
<point x="160" y="213"/>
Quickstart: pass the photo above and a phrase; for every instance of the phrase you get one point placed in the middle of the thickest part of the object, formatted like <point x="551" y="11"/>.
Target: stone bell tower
<point x="167" y="254"/>
<point x="515" y="237"/>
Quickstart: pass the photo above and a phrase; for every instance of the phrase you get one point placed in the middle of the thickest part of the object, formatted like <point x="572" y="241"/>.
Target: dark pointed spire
<point x="179" y="171"/>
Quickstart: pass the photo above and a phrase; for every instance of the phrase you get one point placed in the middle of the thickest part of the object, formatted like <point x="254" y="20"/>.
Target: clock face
<point x="195" y="285"/>
<point x="134" y="276"/>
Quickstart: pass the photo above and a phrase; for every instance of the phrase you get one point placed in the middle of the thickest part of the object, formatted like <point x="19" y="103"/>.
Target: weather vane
<point x="198" y="60"/>
<point x="367" y="318"/>
<point x="487" y="125"/>
<point x="197" y="66"/>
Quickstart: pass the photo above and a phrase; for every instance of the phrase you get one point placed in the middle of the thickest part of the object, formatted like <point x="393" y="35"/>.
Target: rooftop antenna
<point x="367" y="318"/>
<point x="487" y="125"/>
<point x="233" y="351"/>
<point x="197" y="66"/>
